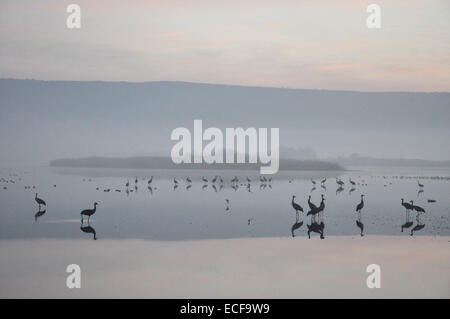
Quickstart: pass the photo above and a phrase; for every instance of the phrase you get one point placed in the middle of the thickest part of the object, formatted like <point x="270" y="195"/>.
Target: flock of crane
<point x="315" y="211"/>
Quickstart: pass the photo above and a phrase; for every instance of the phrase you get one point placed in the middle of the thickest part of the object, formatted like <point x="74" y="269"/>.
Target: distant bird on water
<point x="417" y="208"/>
<point x="407" y="206"/>
<point x="420" y="185"/>
<point x="360" y="206"/>
<point x="296" y="206"/>
<point x="89" y="212"/>
<point x="311" y="204"/>
<point x="39" y="201"/>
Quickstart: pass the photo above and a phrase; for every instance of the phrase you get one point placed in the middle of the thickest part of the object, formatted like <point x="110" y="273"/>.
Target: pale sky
<point x="321" y="44"/>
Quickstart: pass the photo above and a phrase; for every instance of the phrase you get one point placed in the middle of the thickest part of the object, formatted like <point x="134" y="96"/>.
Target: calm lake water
<point x="200" y="212"/>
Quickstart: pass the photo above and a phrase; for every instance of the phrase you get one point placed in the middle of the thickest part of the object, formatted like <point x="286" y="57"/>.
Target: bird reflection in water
<point x="316" y="228"/>
<point x="39" y="214"/>
<point x="360" y="224"/>
<point x="418" y="226"/>
<point x="89" y="230"/>
<point x="296" y="225"/>
<point x="408" y="223"/>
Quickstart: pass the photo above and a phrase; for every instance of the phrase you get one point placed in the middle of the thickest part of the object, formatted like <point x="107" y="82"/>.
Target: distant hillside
<point x="44" y="120"/>
<point x="153" y="162"/>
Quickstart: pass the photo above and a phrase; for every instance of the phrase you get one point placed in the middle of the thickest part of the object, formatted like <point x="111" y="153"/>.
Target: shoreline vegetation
<point x="159" y="162"/>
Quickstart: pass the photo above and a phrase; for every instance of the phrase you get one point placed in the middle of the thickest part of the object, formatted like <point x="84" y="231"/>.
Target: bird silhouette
<point x="38" y="214"/>
<point x="39" y="201"/>
<point x="360" y="226"/>
<point x="296" y="206"/>
<point x="407" y="206"/>
<point x="321" y="207"/>
<point x="296" y="226"/>
<point x="89" y="212"/>
<point x="417" y="208"/>
<point x="417" y="228"/>
<point x="408" y="223"/>
<point x="316" y="228"/>
<point x="360" y="206"/>
<point x="311" y="204"/>
<point x="89" y="229"/>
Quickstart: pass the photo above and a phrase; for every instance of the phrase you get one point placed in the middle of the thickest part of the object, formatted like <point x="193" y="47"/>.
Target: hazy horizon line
<point x="220" y="84"/>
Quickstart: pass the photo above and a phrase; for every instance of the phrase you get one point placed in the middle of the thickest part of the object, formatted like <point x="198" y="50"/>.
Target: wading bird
<point x="407" y="206"/>
<point x="360" y="206"/>
<point x="89" y="212"/>
<point x="39" y="201"/>
<point x="296" y="206"/>
<point x="311" y="204"/>
<point x="417" y="208"/>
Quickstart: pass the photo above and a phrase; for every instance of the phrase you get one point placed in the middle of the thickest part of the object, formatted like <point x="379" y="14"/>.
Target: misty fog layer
<point x="41" y="121"/>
